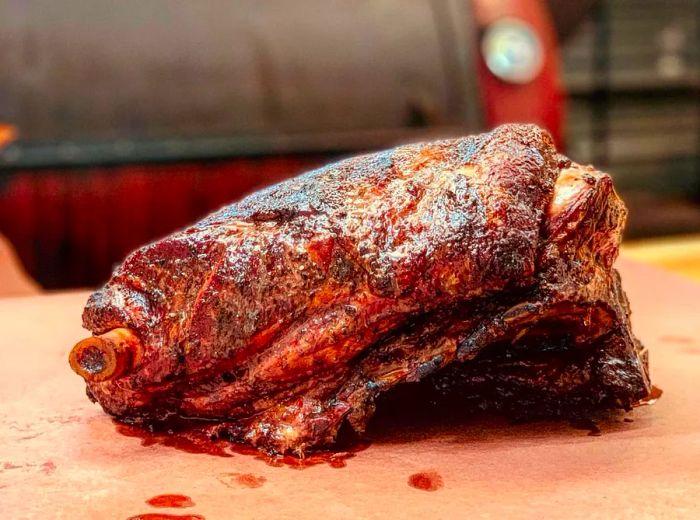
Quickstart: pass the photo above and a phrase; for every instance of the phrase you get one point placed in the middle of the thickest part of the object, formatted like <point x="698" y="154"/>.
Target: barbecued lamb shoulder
<point x="480" y="266"/>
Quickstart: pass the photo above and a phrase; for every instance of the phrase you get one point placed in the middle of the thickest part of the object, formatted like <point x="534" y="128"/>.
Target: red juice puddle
<point x="165" y="516"/>
<point x="197" y="437"/>
<point x="426" y="481"/>
<point x="247" y="480"/>
<point x="187" y="441"/>
<point x="176" y="501"/>
<point x="653" y="396"/>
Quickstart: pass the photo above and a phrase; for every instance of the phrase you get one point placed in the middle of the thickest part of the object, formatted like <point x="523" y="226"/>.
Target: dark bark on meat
<point x="479" y="266"/>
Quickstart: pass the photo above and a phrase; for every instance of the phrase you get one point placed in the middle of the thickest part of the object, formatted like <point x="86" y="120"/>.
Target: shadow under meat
<point x="410" y="414"/>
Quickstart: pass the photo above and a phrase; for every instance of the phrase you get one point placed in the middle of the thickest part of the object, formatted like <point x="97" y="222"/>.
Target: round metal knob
<point x="512" y="50"/>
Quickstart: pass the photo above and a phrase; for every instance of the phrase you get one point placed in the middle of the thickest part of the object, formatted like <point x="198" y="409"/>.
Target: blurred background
<point x="122" y="121"/>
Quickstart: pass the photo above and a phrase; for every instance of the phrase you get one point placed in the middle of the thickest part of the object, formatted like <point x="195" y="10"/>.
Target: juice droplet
<point x="170" y="500"/>
<point x="426" y="481"/>
<point x="165" y="516"/>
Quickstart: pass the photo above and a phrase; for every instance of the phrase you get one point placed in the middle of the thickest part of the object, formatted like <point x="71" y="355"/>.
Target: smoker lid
<point x="102" y="81"/>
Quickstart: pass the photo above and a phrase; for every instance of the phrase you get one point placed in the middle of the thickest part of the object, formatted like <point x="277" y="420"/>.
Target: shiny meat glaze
<point x="481" y="265"/>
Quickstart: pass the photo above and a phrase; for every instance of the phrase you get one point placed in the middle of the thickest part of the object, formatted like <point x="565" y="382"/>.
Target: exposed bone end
<point x="108" y="356"/>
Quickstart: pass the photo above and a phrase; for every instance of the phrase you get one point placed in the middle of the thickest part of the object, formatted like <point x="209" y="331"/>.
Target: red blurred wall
<point x="70" y="226"/>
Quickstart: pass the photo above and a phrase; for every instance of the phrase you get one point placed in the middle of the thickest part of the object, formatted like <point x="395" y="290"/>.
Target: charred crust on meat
<point x="478" y="268"/>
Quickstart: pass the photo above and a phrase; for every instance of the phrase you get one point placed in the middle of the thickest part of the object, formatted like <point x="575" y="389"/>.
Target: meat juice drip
<point x="187" y="441"/>
<point x="174" y="501"/>
<point x="192" y="437"/>
<point x="426" y="481"/>
<point x="653" y="396"/>
<point x="165" y="516"/>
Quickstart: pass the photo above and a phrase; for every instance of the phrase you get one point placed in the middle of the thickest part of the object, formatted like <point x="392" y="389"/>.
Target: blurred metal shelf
<point x="648" y="44"/>
<point x="633" y="73"/>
